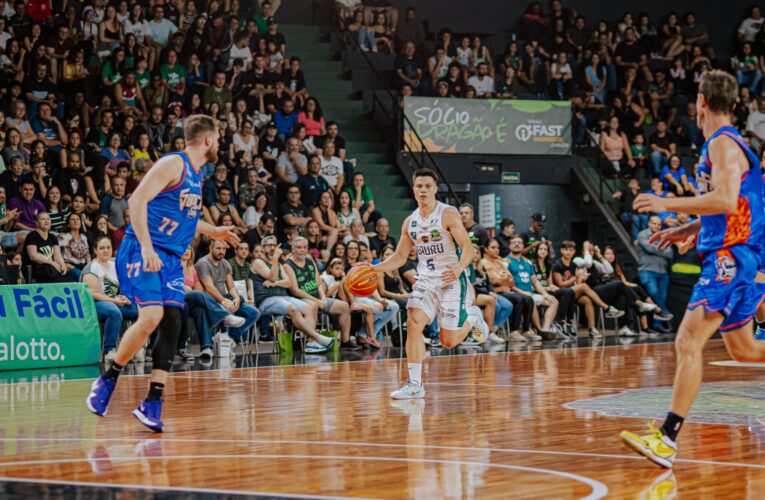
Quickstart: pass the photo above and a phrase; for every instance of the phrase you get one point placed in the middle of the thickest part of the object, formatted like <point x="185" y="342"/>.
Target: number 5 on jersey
<point x="168" y="226"/>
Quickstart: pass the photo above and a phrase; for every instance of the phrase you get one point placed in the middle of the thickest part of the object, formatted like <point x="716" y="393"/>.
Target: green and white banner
<point x="48" y="325"/>
<point x="489" y="126"/>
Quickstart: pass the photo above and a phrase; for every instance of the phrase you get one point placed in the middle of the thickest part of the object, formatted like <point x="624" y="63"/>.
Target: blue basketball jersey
<point x="745" y="225"/>
<point x="173" y="213"/>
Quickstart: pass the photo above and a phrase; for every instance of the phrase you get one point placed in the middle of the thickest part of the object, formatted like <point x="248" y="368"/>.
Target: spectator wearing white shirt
<point x="749" y="27"/>
<point x="482" y="82"/>
<point x="332" y="168"/>
<point x="241" y="50"/>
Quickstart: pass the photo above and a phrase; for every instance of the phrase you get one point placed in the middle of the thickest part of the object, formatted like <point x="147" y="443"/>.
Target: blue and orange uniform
<point x="730" y="244"/>
<point x="172" y="220"/>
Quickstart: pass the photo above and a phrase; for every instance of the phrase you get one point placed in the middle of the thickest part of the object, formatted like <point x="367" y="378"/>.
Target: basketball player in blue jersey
<point x="442" y="288"/>
<point x="164" y="213"/>
<point x="728" y="235"/>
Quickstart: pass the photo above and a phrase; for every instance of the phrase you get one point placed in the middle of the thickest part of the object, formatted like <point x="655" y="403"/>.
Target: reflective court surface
<point x="533" y="423"/>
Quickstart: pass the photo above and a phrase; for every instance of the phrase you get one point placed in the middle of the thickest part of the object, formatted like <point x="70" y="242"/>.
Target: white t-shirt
<point x="750" y="27"/>
<point x="331" y="169"/>
<point x="251" y="217"/>
<point x="481" y="86"/>
<point x="330" y="281"/>
<point x="362" y="239"/>
<point x="756" y="123"/>
<point x="139" y="29"/>
<point x="236" y="53"/>
<point x="107" y="277"/>
<point x="248" y="146"/>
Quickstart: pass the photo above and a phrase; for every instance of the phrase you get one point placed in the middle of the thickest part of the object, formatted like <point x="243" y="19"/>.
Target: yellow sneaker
<point x="655" y="446"/>
<point x="664" y="487"/>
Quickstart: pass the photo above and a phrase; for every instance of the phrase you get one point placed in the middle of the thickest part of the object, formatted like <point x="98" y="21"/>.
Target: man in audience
<point x="410" y="30"/>
<point x="217" y="278"/>
<point x="293" y="212"/>
<point x="476" y="232"/>
<point x="264" y="228"/>
<point x="482" y="82"/>
<point x="8" y="237"/>
<point x="115" y="204"/>
<point x="357" y="233"/>
<point x="662" y="145"/>
<point x="653" y="268"/>
<point x="27" y="206"/>
<point x="313" y="183"/>
<point x="382" y="238"/>
<point x="240" y="271"/>
<point x="215" y="184"/>
<point x="12" y="178"/>
<point x="291" y="164"/>
<point x="506" y="231"/>
<point x="332" y="168"/>
<point x="410" y="69"/>
<point x="271" y="285"/>
<point x="306" y="285"/>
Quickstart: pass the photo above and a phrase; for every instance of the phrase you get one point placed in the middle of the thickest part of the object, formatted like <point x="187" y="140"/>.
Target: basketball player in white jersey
<point x="444" y="252"/>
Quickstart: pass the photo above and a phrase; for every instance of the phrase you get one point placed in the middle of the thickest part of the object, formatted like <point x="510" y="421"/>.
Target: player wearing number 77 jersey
<point x="164" y="212"/>
<point x="444" y="252"/>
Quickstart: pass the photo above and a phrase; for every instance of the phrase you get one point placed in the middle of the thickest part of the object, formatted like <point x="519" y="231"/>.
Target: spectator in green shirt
<point x="173" y="77"/>
<point x="363" y="199"/>
<point x="240" y="268"/>
<point x="218" y="93"/>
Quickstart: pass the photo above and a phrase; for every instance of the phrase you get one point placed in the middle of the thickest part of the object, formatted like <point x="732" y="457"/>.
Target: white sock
<point x="415" y="373"/>
<point x="321" y="339"/>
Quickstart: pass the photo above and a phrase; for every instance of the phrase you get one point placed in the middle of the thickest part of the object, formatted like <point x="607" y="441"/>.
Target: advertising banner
<point x="489" y="126"/>
<point x="48" y="325"/>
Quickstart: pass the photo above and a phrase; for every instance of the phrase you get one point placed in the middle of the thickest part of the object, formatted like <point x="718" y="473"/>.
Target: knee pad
<point x="169" y="331"/>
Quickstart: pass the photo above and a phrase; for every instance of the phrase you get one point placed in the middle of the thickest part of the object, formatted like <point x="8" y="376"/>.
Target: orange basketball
<point x="361" y="281"/>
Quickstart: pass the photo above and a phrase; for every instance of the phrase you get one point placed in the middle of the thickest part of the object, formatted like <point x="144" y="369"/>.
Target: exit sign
<point x="511" y="177"/>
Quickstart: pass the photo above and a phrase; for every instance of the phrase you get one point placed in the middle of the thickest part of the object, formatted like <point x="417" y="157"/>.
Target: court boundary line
<point x="599" y="490"/>
<point x="332" y="363"/>
<point x="394" y="445"/>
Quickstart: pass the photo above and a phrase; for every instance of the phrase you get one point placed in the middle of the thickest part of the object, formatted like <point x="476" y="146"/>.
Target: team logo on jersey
<point x="414" y="223"/>
<point x="413" y="234"/>
<point x="726" y="266"/>
<point x="190" y="201"/>
<point x="435" y="235"/>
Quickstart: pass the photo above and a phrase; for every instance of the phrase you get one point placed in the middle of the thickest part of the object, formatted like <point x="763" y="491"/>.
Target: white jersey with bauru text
<point x="435" y="246"/>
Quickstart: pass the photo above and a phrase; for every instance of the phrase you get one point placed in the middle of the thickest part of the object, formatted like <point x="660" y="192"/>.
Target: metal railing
<point x="414" y="148"/>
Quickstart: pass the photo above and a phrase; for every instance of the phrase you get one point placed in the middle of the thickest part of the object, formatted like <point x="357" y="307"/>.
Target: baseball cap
<point x="539" y="217"/>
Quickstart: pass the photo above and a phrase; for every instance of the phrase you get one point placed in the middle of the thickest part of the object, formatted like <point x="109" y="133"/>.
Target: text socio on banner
<point x="48" y="325"/>
<point x="489" y="126"/>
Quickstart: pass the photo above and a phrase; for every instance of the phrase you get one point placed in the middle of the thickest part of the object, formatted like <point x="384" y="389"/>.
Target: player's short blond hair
<point x="197" y="126"/>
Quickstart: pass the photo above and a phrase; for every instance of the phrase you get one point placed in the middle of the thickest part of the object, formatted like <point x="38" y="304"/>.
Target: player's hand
<point x="667" y="237"/>
<point x="649" y="203"/>
<point x="151" y="261"/>
<point x="225" y="234"/>
<point x="449" y="275"/>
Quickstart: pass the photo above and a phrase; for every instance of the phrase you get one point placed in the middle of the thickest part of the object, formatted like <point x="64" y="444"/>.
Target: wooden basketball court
<point x="532" y="424"/>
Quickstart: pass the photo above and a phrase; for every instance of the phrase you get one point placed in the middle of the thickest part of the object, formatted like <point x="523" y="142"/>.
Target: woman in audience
<point x="565" y="296"/>
<point x="244" y="141"/>
<point x="503" y="282"/>
<point x="20" y="122"/>
<point x="616" y="149"/>
<point x="74" y="246"/>
<point x="312" y="118"/>
<point x="352" y="254"/>
<point x="100" y="227"/>
<point x="338" y="251"/>
<point x="347" y="214"/>
<point x="73" y="146"/>
<point x="112" y="307"/>
<point x="390" y="285"/>
<point x="14" y="147"/>
<point x="326" y="217"/>
<point x="59" y="213"/>
<point x="113" y="153"/>
<point x="675" y="179"/>
<point x="254" y="212"/>
<point x="317" y="245"/>
<point x="595" y="74"/>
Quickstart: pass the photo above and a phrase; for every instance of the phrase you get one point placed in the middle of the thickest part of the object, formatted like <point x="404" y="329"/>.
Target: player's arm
<point x="727" y="158"/>
<point x="165" y="173"/>
<point x="399" y="257"/>
<point x="453" y="224"/>
<point x="221" y="233"/>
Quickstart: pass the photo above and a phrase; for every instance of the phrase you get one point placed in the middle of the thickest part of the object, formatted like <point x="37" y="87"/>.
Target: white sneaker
<point x="479" y="323"/>
<point x="140" y="356"/>
<point x="233" y="321"/>
<point x="470" y="341"/>
<point x="625" y="331"/>
<point x="110" y="356"/>
<point x="493" y="337"/>
<point x="207" y="353"/>
<point x="314" y="347"/>
<point x="517" y="336"/>
<point x="530" y="335"/>
<point x="647" y="307"/>
<point x="613" y="312"/>
<point x="409" y="391"/>
<point x="594" y="333"/>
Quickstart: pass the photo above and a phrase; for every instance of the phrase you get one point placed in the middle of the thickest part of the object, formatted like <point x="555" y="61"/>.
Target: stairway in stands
<point x="326" y="82"/>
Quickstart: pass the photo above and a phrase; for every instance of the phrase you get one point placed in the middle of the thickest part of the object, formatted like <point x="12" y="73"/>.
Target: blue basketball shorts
<point x="161" y="288"/>
<point x="727" y="285"/>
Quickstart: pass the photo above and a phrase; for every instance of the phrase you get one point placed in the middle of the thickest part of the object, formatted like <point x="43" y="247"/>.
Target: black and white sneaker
<point x="663" y="316"/>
